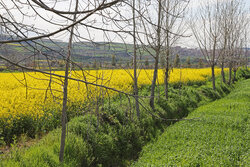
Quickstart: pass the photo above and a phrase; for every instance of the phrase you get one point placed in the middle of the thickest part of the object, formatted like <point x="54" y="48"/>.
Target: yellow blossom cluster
<point x="32" y="94"/>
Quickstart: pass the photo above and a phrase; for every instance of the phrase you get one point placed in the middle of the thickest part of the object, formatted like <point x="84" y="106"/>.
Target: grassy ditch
<point x="219" y="138"/>
<point x="116" y="136"/>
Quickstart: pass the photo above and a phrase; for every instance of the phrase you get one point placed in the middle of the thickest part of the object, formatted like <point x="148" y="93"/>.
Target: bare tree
<point x="135" y="77"/>
<point x="246" y="51"/>
<point x="32" y="37"/>
<point x="162" y="25"/>
<point x="174" y="29"/>
<point x="237" y="58"/>
<point x="236" y="37"/>
<point x="205" y="26"/>
<point x="151" y="32"/>
<point x="231" y="14"/>
<point x="225" y="28"/>
<point x="65" y="87"/>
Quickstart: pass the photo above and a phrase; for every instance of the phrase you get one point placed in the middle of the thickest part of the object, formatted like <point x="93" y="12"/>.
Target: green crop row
<point x="218" y="137"/>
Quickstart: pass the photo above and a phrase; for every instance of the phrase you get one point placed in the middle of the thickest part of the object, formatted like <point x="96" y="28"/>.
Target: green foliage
<point x="177" y="61"/>
<point x="188" y="62"/>
<point x="146" y="63"/>
<point x="113" y="63"/>
<point x="26" y="125"/>
<point x="225" y="88"/>
<point x="94" y="65"/>
<point x="162" y="61"/>
<point x="45" y="153"/>
<point x="209" y="92"/>
<point x="243" y="73"/>
<point x="219" y="137"/>
<point x="200" y="63"/>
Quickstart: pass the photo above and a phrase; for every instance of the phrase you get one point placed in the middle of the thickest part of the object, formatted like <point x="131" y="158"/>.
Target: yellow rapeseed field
<point x="35" y="95"/>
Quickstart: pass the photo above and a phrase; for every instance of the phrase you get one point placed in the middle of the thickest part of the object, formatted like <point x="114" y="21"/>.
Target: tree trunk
<point x="167" y="53"/>
<point x="158" y="47"/>
<point x="166" y="83"/>
<point x="234" y="77"/>
<point x="230" y="74"/>
<point x="213" y="77"/>
<point x="167" y="74"/>
<point x="64" y="115"/>
<point x="135" y="66"/>
<point x="152" y="98"/>
<point x="65" y="91"/>
<point x="222" y="72"/>
<point x="246" y="60"/>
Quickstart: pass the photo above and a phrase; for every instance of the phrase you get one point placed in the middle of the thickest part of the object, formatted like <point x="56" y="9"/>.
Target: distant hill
<point x="92" y="52"/>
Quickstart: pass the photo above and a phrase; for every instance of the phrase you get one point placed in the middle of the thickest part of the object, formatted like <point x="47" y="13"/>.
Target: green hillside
<point x="89" y="53"/>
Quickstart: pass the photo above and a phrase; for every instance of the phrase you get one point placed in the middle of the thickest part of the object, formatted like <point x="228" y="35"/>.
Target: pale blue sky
<point x="96" y="35"/>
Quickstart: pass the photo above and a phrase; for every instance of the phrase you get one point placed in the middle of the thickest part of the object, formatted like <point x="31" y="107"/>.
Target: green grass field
<point x="220" y="137"/>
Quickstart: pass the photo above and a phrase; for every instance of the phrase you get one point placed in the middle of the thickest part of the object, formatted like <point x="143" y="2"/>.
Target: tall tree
<point x="135" y="76"/>
<point x="65" y="88"/>
<point x="177" y="61"/>
<point x="151" y="37"/>
<point x="146" y="63"/>
<point x="188" y="62"/>
<point x="174" y="26"/>
<point x="232" y="13"/>
<point x="113" y="61"/>
<point x="157" y="48"/>
<point x="200" y="63"/>
<point x="236" y="14"/>
<point x="207" y="32"/>
<point x="32" y="37"/>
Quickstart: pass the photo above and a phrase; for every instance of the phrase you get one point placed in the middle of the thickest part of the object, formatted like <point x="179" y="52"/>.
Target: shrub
<point x="210" y="93"/>
<point x="243" y="73"/>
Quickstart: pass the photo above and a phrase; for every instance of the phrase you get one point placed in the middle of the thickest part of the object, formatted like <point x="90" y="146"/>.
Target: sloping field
<point x="221" y="136"/>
